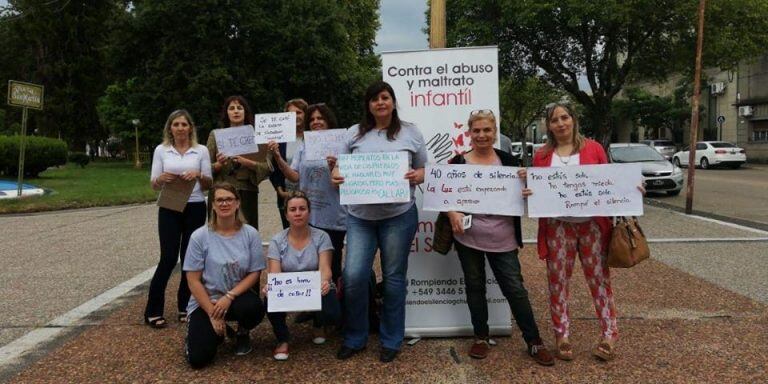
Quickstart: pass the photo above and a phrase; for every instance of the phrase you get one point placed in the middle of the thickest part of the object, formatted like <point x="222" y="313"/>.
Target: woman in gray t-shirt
<point x="300" y="248"/>
<point x="223" y="263"/>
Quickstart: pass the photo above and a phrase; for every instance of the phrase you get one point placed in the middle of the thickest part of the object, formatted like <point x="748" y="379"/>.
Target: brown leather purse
<point x="628" y="245"/>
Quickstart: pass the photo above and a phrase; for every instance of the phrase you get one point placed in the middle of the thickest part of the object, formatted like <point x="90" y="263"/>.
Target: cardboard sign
<point x="374" y="178"/>
<point x="277" y="127"/>
<point x="320" y="144"/>
<point x="236" y="141"/>
<point x="174" y="195"/>
<point x="585" y="191"/>
<point x="294" y="291"/>
<point x="492" y="190"/>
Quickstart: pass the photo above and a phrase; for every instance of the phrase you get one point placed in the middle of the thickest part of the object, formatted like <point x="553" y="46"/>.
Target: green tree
<point x="59" y="44"/>
<point x="656" y="113"/>
<point x="607" y="42"/>
<point x="267" y="50"/>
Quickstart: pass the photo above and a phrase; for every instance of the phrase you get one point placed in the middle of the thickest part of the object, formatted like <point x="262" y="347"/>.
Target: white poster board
<point x="586" y="191"/>
<point x="481" y="189"/>
<point x="277" y="127"/>
<point x="236" y="141"/>
<point x="320" y="144"/>
<point x="374" y="178"/>
<point x="436" y="90"/>
<point x="294" y="291"/>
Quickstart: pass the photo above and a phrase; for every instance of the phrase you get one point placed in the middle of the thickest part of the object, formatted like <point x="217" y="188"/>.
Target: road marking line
<point x="725" y="223"/>
<point x="13" y="351"/>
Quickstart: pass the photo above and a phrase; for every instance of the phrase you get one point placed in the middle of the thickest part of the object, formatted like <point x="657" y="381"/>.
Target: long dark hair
<point x="224" y="118"/>
<point x="369" y="122"/>
<point x="325" y="112"/>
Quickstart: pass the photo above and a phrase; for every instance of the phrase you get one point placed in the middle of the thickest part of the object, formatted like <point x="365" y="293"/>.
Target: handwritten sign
<point x="278" y="127"/>
<point x="374" y="178"/>
<point x="320" y="144"/>
<point x="294" y="291"/>
<point x="473" y="188"/>
<point x="586" y="190"/>
<point x="236" y="141"/>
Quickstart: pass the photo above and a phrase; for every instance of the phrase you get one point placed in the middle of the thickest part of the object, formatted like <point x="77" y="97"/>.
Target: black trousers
<point x="174" y="228"/>
<point x="337" y="240"/>
<point x="249" y="205"/>
<point x="202" y="341"/>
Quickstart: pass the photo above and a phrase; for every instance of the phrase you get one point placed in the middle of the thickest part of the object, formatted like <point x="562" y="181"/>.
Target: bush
<point x="79" y="158"/>
<point x="40" y="153"/>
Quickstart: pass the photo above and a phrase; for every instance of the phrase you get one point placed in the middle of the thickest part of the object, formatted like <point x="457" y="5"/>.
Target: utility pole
<point x="437" y="38"/>
<point x="695" y="112"/>
<point x="136" y="123"/>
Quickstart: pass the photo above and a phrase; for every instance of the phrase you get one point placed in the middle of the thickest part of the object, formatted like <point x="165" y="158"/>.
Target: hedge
<point x="40" y="153"/>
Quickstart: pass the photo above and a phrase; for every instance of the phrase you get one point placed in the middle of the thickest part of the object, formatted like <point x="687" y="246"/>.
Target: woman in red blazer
<point x="561" y="239"/>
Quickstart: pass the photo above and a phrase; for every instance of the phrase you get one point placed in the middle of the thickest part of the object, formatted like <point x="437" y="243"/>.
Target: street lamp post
<point x="135" y="123"/>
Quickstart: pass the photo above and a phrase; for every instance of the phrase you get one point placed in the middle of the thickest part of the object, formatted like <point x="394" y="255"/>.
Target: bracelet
<point x="230" y="295"/>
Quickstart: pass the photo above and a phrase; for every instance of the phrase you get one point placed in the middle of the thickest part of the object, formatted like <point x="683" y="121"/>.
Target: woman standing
<point x="496" y="238"/>
<point x="314" y="178"/>
<point x="389" y="227"/>
<point x="179" y="158"/>
<point x="242" y="172"/>
<point x="223" y="264"/>
<point x="561" y="239"/>
<point x="287" y="151"/>
<point x="302" y="248"/>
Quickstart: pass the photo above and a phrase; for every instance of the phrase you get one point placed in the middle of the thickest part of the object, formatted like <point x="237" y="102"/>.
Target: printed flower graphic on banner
<point x="460" y="139"/>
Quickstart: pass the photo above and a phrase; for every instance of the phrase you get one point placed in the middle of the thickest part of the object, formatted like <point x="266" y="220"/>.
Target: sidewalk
<point x="681" y="318"/>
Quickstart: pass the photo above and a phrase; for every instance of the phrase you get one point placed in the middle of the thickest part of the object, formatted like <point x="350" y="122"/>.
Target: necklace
<point x="565" y="160"/>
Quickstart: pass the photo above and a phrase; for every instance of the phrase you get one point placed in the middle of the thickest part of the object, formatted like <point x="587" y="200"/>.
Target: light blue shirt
<point x="299" y="260"/>
<point x="315" y="180"/>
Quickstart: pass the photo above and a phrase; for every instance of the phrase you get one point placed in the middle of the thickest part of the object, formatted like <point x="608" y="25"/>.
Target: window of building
<point x="759" y="130"/>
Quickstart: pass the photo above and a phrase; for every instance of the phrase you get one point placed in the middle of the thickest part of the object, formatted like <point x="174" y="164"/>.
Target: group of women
<point x="222" y="261"/>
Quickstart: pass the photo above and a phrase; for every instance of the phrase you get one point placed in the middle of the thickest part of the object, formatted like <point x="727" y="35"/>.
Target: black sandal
<point x="182" y="317"/>
<point x="156" y="322"/>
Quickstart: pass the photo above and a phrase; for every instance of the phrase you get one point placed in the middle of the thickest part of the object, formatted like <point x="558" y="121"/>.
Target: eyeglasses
<point x="481" y="112"/>
<point x="225" y="200"/>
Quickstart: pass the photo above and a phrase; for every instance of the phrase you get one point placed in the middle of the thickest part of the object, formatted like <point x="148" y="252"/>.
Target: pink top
<point x="489" y="233"/>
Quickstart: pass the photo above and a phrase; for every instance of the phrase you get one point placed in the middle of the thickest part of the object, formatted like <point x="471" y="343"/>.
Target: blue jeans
<point x="393" y="236"/>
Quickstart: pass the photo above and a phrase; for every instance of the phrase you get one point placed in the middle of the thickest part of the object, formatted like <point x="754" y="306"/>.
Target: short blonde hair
<point x="168" y="137"/>
<point x="482" y="114"/>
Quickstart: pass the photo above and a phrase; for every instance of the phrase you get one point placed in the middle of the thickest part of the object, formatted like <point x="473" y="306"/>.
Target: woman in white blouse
<point x="179" y="158"/>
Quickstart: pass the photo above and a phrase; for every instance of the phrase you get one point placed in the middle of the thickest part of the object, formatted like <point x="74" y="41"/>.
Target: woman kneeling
<point x="222" y="264"/>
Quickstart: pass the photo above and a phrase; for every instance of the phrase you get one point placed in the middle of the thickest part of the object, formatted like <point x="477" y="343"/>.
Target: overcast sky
<point x="401" y="25"/>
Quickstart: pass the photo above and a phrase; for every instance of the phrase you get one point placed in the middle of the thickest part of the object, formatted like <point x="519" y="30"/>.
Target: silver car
<point x="660" y="175"/>
<point x="667" y="148"/>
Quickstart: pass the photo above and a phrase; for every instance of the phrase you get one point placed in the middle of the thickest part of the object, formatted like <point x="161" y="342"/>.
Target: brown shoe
<point x="538" y="351"/>
<point x="604" y="351"/>
<point x="479" y="349"/>
<point x="564" y="350"/>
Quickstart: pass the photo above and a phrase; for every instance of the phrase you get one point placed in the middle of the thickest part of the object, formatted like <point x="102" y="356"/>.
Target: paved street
<point x="683" y="315"/>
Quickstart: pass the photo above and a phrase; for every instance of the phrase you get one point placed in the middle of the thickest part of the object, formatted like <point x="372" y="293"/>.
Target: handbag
<point x="628" y="245"/>
<point x="443" y="238"/>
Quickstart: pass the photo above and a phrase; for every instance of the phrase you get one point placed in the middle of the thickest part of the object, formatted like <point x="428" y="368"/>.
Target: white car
<point x="713" y="153"/>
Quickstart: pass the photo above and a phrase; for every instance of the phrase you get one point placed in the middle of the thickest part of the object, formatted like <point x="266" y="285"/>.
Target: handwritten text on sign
<point x="278" y="127"/>
<point x="236" y="141"/>
<point x="473" y="188"/>
<point x="586" y="190"/>
<point x="320" y="144"/>
<point x="294" y="291"/>
<point x="374" y="178"/>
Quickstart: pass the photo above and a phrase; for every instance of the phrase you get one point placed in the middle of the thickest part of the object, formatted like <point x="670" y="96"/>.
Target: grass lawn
<point x="98" y="184"/>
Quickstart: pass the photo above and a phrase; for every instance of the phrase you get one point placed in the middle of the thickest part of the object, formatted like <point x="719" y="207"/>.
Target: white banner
<point x="586" y="191"/>
<point x="236" y="141"/>
<point x="374" y="178"/>
<point x="320" y="144"/>
<point x="294" y="291"/>
<point x="493" y="190"/>
<point x="277" y="127"/>
<point x="436" y="90"/>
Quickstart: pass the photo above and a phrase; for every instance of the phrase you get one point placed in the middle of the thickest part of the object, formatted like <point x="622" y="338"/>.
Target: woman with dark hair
<point x="314" y="178"/>
<point x="287" y="151"/>
<point x="390" y="227"/>
<point x="561" y="239"/>
<point x="178" y="158"/>
<point x="495" y="238"/>
<point x="245" y="173"/>
<point x="223" y="264"/>
<point x="300" y="248"/>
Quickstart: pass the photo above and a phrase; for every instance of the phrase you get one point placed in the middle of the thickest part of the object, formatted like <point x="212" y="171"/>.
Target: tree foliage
<point x="658" y="114"/>
<point x="607" y="42"/>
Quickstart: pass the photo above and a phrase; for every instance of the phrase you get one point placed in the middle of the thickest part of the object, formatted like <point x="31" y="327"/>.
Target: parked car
<point x="660" y="175"/>
<point x="713" y="153"/>
<point x="517" y="148"/>
<point x="667" y="148"/>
